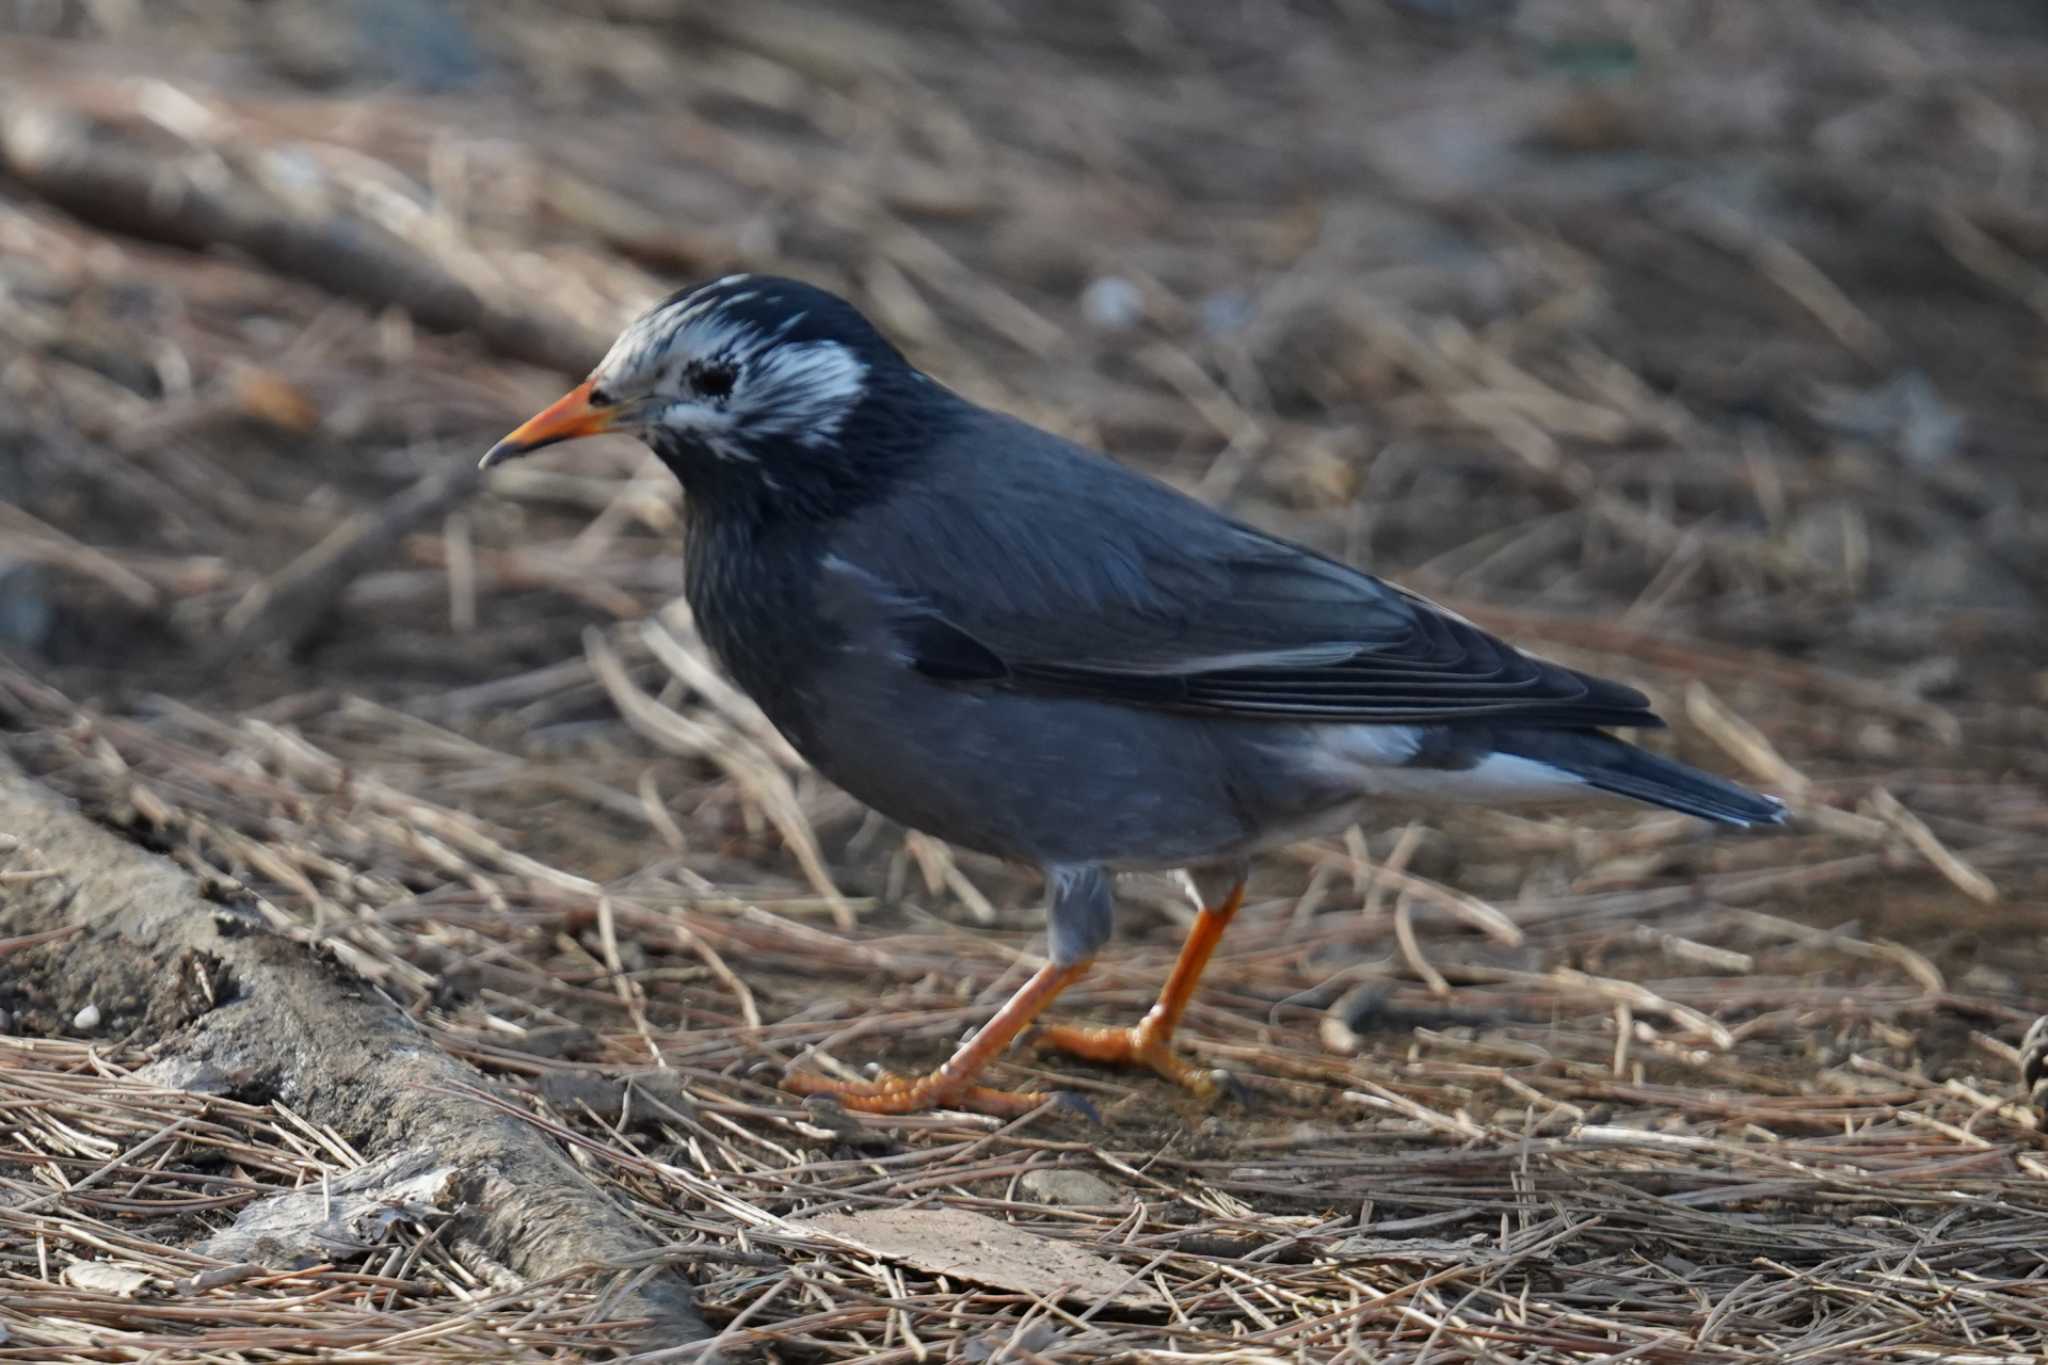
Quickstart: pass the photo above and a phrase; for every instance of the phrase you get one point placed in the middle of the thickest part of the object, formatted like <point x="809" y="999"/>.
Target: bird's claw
<point x="889" y="1093"/>
<point x="1140" y="1047"/>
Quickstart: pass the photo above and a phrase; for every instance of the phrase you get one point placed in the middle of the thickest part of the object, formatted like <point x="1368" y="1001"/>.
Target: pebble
<point x="1070" y="1187"/>
<point x="1112" y="303"/>
<point x="87" y="1019"/>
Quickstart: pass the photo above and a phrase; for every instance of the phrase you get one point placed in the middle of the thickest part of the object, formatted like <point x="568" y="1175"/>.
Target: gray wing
<point x="1069" y="575"/>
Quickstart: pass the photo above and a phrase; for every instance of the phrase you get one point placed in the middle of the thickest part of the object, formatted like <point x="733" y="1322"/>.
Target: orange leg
<point x="952" y="1085"/>
<point x="1150" y="1041"/>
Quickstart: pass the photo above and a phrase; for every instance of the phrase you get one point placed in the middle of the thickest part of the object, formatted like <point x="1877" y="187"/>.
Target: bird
<point x="1020" y="646"/>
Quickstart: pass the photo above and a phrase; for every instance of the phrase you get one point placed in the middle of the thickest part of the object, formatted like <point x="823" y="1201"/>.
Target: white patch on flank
<point x="800" y="391"/>
<point x="1365" y="761"/>
<point x="1495" y="778"/>
<point x="1369" y="759"/>
<point x="1510" y="773"/>
<point x="1354" y="749"/>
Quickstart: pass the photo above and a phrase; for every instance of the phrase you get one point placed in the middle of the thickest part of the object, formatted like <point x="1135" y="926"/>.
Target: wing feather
<point x="989" y="578"/>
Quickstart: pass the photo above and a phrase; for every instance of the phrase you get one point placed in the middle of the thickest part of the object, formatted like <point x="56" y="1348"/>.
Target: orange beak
<point x="565" y="419"/>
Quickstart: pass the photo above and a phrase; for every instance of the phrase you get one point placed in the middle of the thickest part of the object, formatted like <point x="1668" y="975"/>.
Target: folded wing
<point x="1184" y="609"/>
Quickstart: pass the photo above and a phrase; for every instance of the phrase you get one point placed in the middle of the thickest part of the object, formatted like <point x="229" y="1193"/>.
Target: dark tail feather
<point x="1612" y="765"/>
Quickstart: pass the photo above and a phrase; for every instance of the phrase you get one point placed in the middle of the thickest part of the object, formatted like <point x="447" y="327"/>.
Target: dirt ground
<point x="1699" y="344"/>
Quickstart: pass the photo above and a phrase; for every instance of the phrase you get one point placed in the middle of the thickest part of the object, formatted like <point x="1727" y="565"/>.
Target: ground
<point x="1698" y="344"/>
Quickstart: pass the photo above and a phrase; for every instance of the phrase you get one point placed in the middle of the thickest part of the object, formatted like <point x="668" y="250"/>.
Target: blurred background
<point x="1698" y="343"/>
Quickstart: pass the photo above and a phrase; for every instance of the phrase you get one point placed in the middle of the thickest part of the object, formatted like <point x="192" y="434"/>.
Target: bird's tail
<point x="1611" y="765"/>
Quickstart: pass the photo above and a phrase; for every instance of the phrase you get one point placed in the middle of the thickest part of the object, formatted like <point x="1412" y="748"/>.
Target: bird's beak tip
<point x="501" y="453"/>
<point x="567" y="418"/>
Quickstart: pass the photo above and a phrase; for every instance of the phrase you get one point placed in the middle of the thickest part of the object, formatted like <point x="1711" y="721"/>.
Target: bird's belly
<point x="1043" y="780"/>
<point x="1057" y="780"/>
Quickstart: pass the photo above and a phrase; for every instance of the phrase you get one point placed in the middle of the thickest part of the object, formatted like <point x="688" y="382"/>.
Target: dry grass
<point x="1618" y="363"/>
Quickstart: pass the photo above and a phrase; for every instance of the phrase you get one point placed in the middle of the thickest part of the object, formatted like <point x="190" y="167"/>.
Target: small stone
<point x="87" y="1019"/>
<point x="1112" y="303"/>
<point x="1070" y="1187"/>
<point x="194" y="1077"/>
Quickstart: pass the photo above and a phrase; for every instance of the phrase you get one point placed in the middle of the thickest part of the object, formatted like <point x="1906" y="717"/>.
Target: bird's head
<point x="749" y="381"/>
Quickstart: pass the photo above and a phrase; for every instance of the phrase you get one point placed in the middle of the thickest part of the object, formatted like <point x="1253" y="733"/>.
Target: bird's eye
<point x="713" y="378"/>
<point x="598" y="398"/>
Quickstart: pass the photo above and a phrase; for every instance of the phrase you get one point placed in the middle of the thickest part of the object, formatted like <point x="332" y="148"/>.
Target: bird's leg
<point x="1149" y="1042"/>
<point x="952" y="1085"/>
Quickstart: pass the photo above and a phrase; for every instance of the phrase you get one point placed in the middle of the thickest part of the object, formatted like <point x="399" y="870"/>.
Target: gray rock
<point x="1071" y="1187"/>
<point x="1112" y="304"/>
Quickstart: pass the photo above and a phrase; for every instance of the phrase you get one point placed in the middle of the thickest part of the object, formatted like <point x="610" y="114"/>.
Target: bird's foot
<point x="892" y="1094"/>
<point x="952" y="1085"/>
<point x="1139" y="1045"/>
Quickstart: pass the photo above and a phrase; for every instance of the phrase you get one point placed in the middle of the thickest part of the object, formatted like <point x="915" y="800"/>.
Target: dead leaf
<point x="1083" y="1188"/>
<point x="270" y="397"/>
<point x="107" y="1277"/>
<point x="980" y="1249"/>
<point x="343" y="1218"/>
